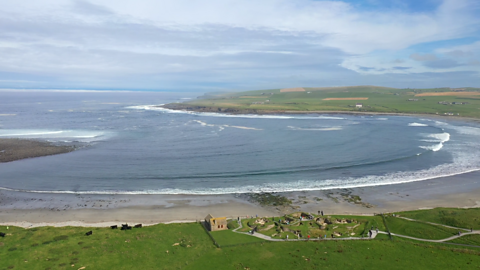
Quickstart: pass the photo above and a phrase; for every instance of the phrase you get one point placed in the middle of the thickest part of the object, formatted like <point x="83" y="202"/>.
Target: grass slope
<point x="456" y="217"/>
<point x="418" y="229"/>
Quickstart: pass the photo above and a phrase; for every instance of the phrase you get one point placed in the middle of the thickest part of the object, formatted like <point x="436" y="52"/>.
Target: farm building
<point x="359" y="105"/>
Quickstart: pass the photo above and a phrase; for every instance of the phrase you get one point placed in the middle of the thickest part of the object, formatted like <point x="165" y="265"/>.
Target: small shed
<point x="359" y="105"/>
<point x="216" y="224"/>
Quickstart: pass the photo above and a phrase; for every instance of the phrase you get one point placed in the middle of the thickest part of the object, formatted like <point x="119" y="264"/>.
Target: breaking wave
<point x="211" y="114"/>
<point x="417" y="125"/>
<point x="441" y="138"/>
<point x="221" y="127"/>
<point x="54" y="135"/>
<point x="316" y="129"/>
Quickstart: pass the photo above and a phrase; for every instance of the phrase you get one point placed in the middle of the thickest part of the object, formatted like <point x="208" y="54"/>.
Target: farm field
<point x="373" y="99"/>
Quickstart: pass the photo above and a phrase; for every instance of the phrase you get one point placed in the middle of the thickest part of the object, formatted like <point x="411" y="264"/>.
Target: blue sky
<point x="217" y="45"/>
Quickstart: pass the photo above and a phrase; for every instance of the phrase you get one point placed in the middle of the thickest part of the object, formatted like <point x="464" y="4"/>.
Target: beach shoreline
<point x="30" y="210"/>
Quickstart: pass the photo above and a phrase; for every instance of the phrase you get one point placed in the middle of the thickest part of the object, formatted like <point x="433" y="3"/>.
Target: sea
<point x="128" y="145"/>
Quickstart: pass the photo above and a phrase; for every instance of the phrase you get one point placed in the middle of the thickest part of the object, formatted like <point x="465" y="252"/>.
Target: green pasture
<point x="456" y="217"/>
<point x="380" y="99"/>
<point x="418" y="229"/>
<point x="227" y="238"/>
<point x="473" y="239"/>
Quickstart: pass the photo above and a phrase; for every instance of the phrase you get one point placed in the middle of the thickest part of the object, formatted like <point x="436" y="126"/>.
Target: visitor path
<point x="431" y="223"/>
<point x="268" y="238"/>
<point x="434" y="241"/>
<point x="374" y="234"/>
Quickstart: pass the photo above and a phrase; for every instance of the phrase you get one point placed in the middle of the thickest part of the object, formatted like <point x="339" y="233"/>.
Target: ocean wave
<point x="300" y="185"/>
<point x="222" y="127"/>
<point x="251" y="116"/>
<point x="441" y="138"/>
<point x="316" y="129"/>
<point x="54" y="135"/>
<point x="417" y="125"/>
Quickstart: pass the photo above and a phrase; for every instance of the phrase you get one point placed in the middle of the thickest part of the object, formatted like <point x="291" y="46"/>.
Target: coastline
<point x="204" y="109"/>
<point x="30" y="210"/>
<point x="25" y="209"/>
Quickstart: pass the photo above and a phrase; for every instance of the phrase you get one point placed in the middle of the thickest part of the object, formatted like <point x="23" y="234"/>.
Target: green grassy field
<point x="456" y="217"/>
<point x="188" y="246"/>
<point x="380" y="99"/>
<point x="227" y="238"/>
<point x="418" y="229"/>
<point x="468" y="240"/>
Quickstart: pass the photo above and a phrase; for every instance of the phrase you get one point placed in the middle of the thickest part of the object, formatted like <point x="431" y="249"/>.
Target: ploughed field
<point x="441" y="101"/>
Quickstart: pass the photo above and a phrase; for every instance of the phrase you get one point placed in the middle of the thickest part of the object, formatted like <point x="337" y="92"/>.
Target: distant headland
<point x="453" y="102"/>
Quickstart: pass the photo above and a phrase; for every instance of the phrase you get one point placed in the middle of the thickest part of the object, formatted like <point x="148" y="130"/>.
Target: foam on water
<point x="460" y="166"/>
<point x="55" y="135"/>
<point x="316" y="129"/>
<point x="254" y="116"/>
<point x="441" y="138"/>
<point x="222" y="127"/>
<point x="417" y="125"/>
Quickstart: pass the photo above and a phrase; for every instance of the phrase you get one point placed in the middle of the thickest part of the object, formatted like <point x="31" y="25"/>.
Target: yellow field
<point x="348" y="98"/>
<point x="296" y="89"/>
<point x="433" y="94"/>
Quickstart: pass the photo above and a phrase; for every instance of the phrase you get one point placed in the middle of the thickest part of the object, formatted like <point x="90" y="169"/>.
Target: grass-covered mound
<point x="318" y="227"/>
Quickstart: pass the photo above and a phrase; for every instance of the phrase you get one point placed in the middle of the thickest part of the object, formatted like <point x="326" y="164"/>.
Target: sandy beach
<point x="36" y="209"/>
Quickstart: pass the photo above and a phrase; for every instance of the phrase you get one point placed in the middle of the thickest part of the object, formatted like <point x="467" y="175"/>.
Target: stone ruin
<point x="261" y="221"/>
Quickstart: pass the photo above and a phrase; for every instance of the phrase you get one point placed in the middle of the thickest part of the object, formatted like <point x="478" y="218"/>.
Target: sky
<point x="224" y="45"/>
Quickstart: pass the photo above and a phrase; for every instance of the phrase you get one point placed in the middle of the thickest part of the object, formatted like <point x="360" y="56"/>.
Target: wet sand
<point x="36" y="209"/>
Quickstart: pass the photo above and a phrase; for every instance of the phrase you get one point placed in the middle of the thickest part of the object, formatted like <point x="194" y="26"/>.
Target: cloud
<point x="459" y="53"/>
<point x="366" y="68"/>
<point x="224" y="43"/>
<point x="85" y="7"/>
<point x="442" y="64"/>
<point x="423" y="57"/>
<point x="401" y="68"/>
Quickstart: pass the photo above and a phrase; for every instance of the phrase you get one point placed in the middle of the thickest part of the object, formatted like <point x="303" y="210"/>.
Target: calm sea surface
<point x="131" y="147"/>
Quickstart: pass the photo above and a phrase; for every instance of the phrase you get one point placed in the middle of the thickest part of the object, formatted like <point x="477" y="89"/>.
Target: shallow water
<point x="132" y="148"/>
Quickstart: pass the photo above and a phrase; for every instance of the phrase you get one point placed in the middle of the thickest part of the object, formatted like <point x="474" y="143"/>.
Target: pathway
<point x="374" y="234"/>
<point x="431" y="240"/>
<point x="437" y="224"/>
<point x="268" y="238"/>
